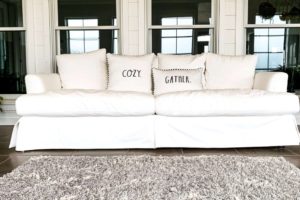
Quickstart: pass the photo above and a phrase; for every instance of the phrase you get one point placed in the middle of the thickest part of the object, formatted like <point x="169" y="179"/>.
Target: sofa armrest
<point x="40" y="83"/>
<point x="271" y="81"/>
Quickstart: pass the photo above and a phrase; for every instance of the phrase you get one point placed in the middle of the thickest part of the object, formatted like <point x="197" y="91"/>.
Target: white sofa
<point x="58" y="118"/>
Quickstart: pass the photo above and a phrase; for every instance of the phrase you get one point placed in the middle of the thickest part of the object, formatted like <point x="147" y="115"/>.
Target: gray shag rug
<point x="152" y="177"/>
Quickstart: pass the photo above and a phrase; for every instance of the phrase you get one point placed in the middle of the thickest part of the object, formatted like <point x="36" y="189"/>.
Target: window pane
<point x="168" y="33"/>
<point x="261" y="31"/>
<point x="75" y="22"/>
<point x="262" y="61"/>
<point x="261" y="44"/>
<point x="91" y="35"/>
<point x="184" y="45"/>
<point x="276" y="31"/>
<point x="76" y="46"/>
<point x="90" y="22"/>
<point x="169" y="21"/>
<point x="116" y="46"/>
<point x="91" y="45"/>
<point x="168" y="45"/>
<point x="276" y="43"/>
<point x="76" y="34"/>
<point x="11" y="13"/>
<point x="284" y="13"/>
<point x="185" y="32"/>
<point x="79" y="41"/>
<point x="194" y="12"/>
<point x="104" y="11"/>
<point x="276" y="60"/>
<point x="12" y="62"/>
<point x="185" y="20"/>
<point x="187" y="41"/>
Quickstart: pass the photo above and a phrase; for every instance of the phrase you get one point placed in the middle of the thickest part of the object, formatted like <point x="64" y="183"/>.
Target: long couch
<point x="235" y="107"/>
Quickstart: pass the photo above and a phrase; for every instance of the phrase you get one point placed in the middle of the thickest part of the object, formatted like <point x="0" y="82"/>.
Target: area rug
<point x="152" y="177"/>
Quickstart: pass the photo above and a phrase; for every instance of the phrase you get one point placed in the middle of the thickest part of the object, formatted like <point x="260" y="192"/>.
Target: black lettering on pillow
<point x="131" y="73"/>
<point x="177" y="79"/>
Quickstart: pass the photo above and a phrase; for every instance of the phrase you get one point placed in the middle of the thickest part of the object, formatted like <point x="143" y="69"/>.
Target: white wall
<point x="231" y="27"/>
<point x="133" y="27"/>
<point x="38" y="38"/>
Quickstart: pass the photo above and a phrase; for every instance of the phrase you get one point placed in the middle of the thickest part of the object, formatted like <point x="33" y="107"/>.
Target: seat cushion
<point x="85" y="103"/>
<point x="226" y="103"/>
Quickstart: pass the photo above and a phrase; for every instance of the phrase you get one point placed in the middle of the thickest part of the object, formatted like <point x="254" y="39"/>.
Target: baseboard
<point x="8" y="118"/>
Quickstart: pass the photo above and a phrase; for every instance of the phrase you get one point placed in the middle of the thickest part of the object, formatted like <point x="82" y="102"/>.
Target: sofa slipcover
<point x="226" y="103"/>
<point x="85" y="103"/>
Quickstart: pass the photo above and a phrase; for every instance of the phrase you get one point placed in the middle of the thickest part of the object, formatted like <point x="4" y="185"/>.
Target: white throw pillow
<point x="130" y="73"/>
<point x="167" y="61"/>
<point x="175" y="80"/>
<point x="83" y="71"/>
<point x="230" y="72"/>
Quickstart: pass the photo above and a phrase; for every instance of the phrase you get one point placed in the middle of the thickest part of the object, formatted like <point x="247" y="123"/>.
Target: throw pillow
<point x="166" y="61"/>
<point x="130" y="73"/>
<point x="175" y="80"/>
<point x="83" y="71"/>
<point x="229" y="72"/>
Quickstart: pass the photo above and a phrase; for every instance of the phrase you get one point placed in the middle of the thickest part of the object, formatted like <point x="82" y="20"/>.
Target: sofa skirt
<point x="33" y="133"/>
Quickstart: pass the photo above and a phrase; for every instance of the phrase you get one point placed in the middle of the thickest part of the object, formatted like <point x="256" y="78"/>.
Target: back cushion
<point x="229" y="72"/>
<point x="83" y="71"/>
<point x="166" y="61"/>
<point x="130" y="73"/>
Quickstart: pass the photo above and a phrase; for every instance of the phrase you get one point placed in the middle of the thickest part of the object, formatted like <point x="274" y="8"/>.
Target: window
<point x="181" y="27"/>
<point x="276" y="39"/>
<point x="268" y="45"/>
<point x="12" y="47"/>
<point x="85" y="26"/>
<point x="85" y="40"/>
<point x="177" y="41"/>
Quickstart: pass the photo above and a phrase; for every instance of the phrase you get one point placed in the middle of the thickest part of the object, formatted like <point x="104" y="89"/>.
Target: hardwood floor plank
<point x="266" y="151"/>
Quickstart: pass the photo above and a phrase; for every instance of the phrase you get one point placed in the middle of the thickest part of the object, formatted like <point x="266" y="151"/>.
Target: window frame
<point x="56" y="29"/>
<point x="211" y="26"/>
<point x="261" y="26"/>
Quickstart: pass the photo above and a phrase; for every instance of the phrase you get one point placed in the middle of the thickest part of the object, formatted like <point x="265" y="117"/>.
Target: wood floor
<point x="9" y="159"/>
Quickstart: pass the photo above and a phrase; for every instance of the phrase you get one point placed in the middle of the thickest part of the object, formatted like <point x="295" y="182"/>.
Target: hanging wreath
<point x="266" y="10"/>
<point x="293" y="13"/>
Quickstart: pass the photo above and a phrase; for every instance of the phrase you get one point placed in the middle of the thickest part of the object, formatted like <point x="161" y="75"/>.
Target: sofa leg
<point x="280" y="147"/>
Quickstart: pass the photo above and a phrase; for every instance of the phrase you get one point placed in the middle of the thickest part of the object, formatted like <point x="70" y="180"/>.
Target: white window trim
<point x="55" y="29"/>
<point x="212" y="26"/>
